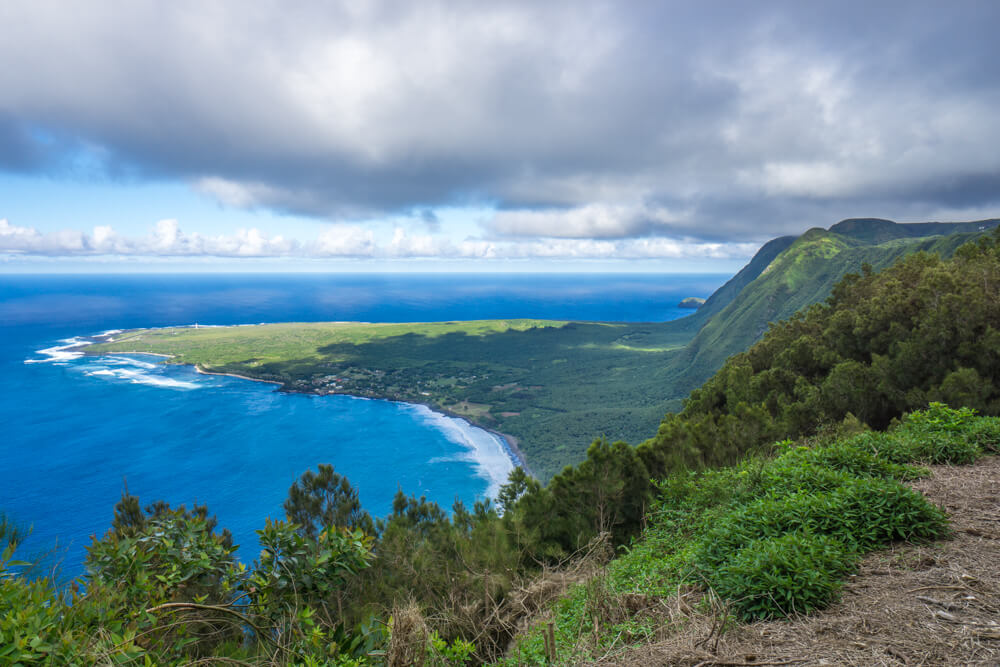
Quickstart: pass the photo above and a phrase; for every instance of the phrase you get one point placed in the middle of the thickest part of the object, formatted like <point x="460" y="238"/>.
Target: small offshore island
<point x="692" y="302"/>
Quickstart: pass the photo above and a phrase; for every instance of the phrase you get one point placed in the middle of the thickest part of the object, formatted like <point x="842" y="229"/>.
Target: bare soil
<point x="935" y="604"/>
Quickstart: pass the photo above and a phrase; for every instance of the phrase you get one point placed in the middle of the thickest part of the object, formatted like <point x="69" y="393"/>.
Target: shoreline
<point x="202" y="371"/>
<point x="509" y="442"/>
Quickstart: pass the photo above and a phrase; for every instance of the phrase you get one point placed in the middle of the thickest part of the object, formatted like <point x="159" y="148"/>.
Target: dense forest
<point x="853" y="390"/>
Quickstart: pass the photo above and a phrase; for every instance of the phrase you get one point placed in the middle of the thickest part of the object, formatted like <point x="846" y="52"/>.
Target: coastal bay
<point x="79" y="428"/>
<point x="550" y="386"/>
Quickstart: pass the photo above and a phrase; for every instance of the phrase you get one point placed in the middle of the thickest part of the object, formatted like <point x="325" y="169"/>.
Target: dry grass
<point x="936" y="604"/>
<point x="523" y="604"/>
<point x="408" y="644"/>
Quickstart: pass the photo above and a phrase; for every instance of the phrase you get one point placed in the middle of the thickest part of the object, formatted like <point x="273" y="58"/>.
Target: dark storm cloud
<point x="709" y="120"/>
<point x="19" y="150"/>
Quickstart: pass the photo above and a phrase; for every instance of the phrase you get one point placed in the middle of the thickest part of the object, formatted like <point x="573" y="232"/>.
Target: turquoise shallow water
<point x="76" y="429"/>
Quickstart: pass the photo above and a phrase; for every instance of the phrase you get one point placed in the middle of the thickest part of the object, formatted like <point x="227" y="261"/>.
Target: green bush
<point x="295" y="569"/>
<point x="39" y="625"/>
<point x="941" y="434"/>
<point x="850" y="457"/>
<point x="795" y="573"/>
<point x="785" y="477"/>
<point x="939" y="418"/>
<point x="985" y="432"/>
<point x="955" y="449"/>
<point x="909" y="445"/>
<point x="175" y="556"/>
<point x="864" y="513"/>
<point x="688" y="501"/>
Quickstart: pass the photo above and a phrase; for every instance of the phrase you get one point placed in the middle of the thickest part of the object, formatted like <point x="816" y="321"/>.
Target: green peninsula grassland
<point x="533" y="380"/>
<point x="552" y="386"/>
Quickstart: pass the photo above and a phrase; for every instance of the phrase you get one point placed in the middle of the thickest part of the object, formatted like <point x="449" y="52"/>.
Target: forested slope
<point x="922" y="330"/>
<point x="804" y="273"/>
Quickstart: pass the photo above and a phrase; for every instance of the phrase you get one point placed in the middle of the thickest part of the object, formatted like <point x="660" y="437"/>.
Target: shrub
<point x="851" y="457"/>
<point x="175" y="556"/>
<point x="172" y="557"/>
<point x="863" y="512"/>
<point x="985" y="432"/>
<point x="939" y="418"/>
<point x="793" y="573"/>
<point x="785" y="477"/>
<point x="39" y="625"/>
<point x="909" y="445"/>
<point x="688" y="501"/>
<point x="941" y="434"/>
<point x="295" y="569"/>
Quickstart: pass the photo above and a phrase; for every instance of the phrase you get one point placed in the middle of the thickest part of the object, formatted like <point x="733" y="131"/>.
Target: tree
<point x="324" y="500"/>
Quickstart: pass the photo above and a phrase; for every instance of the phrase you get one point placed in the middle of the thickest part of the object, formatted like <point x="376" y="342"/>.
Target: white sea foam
<point x="486" y="450"/>
<point x="140" y="377"/>
<point x="59" y="353"/>
<point x="128" y="361"/>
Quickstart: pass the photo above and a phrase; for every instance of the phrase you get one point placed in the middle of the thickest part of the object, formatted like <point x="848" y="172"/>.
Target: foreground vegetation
<point x="554" y="386"/>
<point x="844" y="388"/>
<point x="770" y="537"/>
<point x="773" y="536"/>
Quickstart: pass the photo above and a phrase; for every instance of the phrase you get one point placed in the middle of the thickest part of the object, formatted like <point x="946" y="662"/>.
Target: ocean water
<point x="76" y="430"/>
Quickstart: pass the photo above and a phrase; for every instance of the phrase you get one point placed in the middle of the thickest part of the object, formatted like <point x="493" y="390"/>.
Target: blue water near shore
<point x="75" y="429"/>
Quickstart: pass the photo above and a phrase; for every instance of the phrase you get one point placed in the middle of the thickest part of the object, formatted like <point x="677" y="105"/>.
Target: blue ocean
<point x="76" y="430"/>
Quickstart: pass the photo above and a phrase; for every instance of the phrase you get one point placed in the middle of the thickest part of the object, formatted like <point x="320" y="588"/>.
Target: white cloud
<point x="167" y="239"/>
<point x="18" y="239"/>
<point x="343" y="241"/>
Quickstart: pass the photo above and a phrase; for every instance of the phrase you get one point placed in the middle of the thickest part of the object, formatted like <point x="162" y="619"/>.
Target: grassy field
<point x="553" y="385"/>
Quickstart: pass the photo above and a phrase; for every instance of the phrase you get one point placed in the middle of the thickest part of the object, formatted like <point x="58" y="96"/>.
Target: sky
<point x="576" y="135"/>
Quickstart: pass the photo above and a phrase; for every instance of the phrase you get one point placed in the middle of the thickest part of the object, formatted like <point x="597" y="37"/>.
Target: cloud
<point x="581" y="119"/>
<point x="588" y="221"/>
<point x="167" y="239"/>
<point x="344" y="241"/>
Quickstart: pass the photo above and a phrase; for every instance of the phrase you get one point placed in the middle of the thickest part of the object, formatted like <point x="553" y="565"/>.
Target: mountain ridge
<point x="802" y="273"/>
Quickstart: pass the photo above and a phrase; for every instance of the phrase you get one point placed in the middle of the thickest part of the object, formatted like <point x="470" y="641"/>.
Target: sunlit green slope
<point x="803" y="274"/>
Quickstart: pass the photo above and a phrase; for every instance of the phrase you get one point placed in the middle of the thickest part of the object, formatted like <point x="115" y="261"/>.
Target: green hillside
<point x="875" y="230"/>
<point x="804" y="273"/>
<point x="725" y="295"/>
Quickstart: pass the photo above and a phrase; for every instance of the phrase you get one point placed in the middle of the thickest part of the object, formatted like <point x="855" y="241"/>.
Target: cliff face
<point x="791" y="273"/>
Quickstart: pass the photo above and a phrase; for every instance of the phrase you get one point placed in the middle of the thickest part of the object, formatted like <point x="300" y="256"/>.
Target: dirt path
<point x="929" y="605"/>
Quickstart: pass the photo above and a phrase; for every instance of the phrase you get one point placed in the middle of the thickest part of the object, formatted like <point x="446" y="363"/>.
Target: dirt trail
<point x="935" y="605"/>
